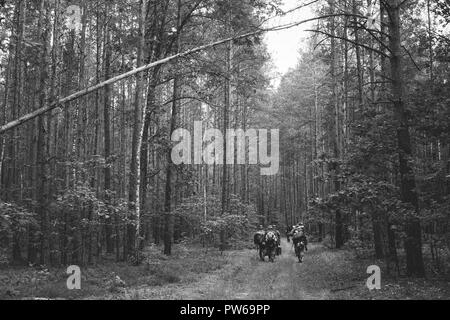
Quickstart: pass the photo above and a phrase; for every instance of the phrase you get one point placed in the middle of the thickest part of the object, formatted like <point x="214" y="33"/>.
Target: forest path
<point x="250" y="278"/>
<point x="246" y="277"/>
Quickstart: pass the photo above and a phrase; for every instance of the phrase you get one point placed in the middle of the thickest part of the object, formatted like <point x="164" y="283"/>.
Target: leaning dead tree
<point x="79" y="94"/>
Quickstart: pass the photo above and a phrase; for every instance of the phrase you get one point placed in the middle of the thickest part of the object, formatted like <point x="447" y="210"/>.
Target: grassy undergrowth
<point x="184" y="266"/>
<point x="349" y="278"/>
<point x="339" y="272"/>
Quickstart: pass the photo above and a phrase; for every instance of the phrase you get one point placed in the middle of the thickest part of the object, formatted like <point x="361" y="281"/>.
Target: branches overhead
<point x="352" y="42"/>
<point x="79" y="94"/>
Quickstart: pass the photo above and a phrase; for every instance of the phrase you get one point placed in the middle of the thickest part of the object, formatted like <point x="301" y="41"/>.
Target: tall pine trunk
<point x="168" y="217"/>
<point x="413" y="242"/>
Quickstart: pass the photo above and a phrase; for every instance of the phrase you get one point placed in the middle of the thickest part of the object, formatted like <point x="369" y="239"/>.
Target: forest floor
<point x="324" y="274"/>
<point x="196" y="273"/>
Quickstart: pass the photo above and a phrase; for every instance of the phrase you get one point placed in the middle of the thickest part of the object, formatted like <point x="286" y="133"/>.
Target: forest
<point x="92" y="92"/>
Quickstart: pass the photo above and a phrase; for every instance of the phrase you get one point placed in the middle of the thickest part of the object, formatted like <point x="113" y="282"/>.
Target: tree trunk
<point x="413" y="242"/>
<point x="133" y="196"/>
<point x="107" y="136"/>
<point x="335" y="133"/>
<point x="40" y="150"/>
<point x="168" y="216"/>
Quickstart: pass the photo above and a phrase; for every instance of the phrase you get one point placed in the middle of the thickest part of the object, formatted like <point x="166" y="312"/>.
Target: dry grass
<point x="111" y="279"/>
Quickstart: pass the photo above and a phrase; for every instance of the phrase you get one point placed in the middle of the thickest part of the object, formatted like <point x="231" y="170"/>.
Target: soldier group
<point x="268" y="241"/>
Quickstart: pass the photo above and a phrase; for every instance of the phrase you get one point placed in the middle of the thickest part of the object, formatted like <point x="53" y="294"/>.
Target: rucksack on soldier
<point x="298" y="234"/>
<point x="271" y="235"/>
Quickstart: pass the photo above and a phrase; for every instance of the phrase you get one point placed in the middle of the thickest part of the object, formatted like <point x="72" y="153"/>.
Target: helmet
<point x="270" y="228"/>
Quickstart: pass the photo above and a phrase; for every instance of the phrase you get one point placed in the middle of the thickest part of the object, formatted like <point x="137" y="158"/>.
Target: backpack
<point x="271" y="235"/>
<point x="298" y="234"/>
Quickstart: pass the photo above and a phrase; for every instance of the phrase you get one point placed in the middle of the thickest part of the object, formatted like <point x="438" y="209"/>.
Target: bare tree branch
<point x="411" y="57"/>
<point x="352" y="42"/>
